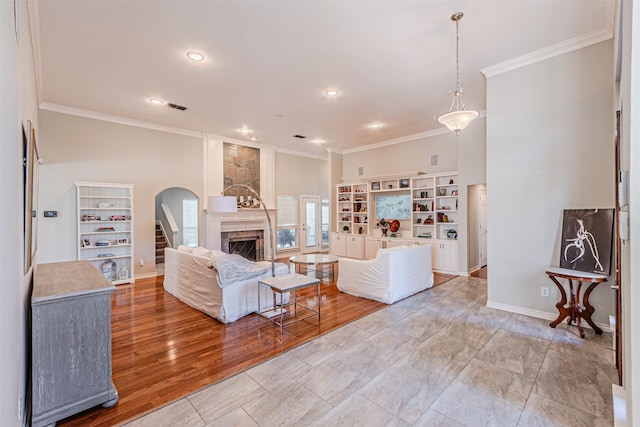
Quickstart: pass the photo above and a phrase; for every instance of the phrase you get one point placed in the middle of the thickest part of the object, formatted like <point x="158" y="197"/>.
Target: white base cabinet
<point x="445" y="256"/>
<point x="347" y="245"/>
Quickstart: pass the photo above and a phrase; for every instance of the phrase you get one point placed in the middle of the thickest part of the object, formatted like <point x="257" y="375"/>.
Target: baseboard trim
<point x="538" y="314"/>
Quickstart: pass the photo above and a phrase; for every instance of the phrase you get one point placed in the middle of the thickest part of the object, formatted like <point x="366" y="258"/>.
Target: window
<point x="325" y="222"/>
<point x="190" y="222"/>
<point x="287" y="228"/>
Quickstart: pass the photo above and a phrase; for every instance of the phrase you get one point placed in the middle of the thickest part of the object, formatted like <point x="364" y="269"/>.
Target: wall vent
<point x="299" y="136"/>
<point x="176" y="106"/>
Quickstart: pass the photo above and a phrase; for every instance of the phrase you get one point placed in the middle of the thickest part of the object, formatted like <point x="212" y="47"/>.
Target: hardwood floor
<point x="482" y="273"/>
<point x="163" y="349"/>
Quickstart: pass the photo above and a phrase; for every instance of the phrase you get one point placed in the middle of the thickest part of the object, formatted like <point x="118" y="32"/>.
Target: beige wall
<point x="18" y="104"/>
<point x="299" y="175"/>
<point x="549" y="148"/>
<point x="82" y="149"/>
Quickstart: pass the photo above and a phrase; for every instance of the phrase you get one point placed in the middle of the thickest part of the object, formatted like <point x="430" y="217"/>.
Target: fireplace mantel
<point x="244" y="219"/>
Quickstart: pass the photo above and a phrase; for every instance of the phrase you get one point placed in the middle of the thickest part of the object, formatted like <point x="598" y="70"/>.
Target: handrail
<point x="171" y="222"/>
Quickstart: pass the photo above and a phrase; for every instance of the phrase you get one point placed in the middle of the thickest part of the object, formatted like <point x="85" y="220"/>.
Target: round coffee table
<point x="324" y="264"/>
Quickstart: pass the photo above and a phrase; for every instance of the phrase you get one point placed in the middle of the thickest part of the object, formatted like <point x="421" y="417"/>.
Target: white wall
<point x="18" y="104"/>
<point x="549" y="148"/>
<point x="297" y="175"/>
<point x="82" y="149"/>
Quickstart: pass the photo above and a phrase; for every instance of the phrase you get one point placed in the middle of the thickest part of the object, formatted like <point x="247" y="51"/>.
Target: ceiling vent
<point x="299" y="136"/>
<point x="176" y="106"/>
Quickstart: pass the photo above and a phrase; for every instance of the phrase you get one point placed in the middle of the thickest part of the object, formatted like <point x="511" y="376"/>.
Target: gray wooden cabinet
<point x="71" y="341"/>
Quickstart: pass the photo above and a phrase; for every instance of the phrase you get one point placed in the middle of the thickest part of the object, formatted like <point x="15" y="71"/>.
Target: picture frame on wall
<point x="587" y="240"/>
<point x="86" y="243"/>
<point x="30" y="190"/>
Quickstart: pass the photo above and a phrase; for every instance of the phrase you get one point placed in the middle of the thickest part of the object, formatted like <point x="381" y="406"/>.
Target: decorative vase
<point x="384" y="232"/>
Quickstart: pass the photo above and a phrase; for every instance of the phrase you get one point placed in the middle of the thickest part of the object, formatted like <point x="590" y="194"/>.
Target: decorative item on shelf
<point x="451" y="233"/>
<point x="123" y="241"/>
<point x="123" y="274"/>
<point x="90" y="217"/>
<point x="458" y="116"/>
<point x="451" y="181"/>
<point x="454" y="192"/>
<point x="103" y="243"/>
<point x="104" y="205"/>
<point x="360" y="230"/>
<point x="418" y="221"/>
<point x="428" y="220"/>
<point x="375" y="186"/>
<point x="109" y="269"/>
<point x="404" y="183"/>
<point x="442" y="192"/>
<point x="106" y="229"/>
<point x="390" y="186"/>
<point x="393" y="235"/>
<point x="345" y="228"/>
<point x="117" y="218"/>
<point x="445" y="208"/>
<point x="86" y="243"/>
<point x="394" y="226"/>
<point x="106" y="255"/>
<point x="383" y="225"/>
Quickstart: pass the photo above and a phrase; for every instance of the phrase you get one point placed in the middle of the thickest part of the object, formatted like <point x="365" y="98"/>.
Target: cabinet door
<point x="371" y="246"/>
<point x="338" y="244"/>
<point x="445" y="256"/>
<point x="355" y="247"/>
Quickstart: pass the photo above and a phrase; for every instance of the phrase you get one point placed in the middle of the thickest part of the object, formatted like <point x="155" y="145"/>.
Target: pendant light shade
<point x="458" y="116"/>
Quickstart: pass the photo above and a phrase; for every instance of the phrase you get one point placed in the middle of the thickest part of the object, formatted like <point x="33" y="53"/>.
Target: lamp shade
<point x="457" y="120"/>
<point x="222" y="204"/>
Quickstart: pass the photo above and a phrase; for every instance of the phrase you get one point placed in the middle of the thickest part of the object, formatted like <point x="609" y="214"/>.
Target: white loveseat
<point x="395" y="273"/>
<point x="191" y="277"/>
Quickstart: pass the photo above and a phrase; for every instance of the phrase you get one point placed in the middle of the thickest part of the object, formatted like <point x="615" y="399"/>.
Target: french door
<point x="310" y="224"/>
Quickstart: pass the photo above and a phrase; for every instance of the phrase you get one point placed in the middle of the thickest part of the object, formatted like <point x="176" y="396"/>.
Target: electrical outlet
<point x="544" y="291"/>
<point x="141" y="262"/>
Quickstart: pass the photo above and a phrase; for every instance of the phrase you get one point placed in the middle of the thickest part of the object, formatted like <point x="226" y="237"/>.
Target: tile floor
<point x="439" y="358"/>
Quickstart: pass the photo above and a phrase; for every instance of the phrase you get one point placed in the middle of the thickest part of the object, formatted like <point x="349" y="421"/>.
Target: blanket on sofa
<point x="232" y="268"/>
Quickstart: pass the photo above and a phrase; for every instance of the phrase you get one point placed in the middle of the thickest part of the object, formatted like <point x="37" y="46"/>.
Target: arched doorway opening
<point x="176" y="221"/>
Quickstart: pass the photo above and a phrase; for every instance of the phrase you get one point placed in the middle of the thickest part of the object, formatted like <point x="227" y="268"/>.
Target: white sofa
<point x="395" y="273"/>
<point x="191" y="277"/>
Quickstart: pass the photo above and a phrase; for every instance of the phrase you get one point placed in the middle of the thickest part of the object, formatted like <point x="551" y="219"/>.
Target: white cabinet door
<point x="371" y="246"/>
<point x="445" y="256"/>
<point x="355" y="247"/>
<point x="339" y="244"/>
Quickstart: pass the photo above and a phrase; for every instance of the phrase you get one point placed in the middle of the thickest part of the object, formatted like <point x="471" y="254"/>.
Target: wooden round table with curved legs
<point x="574" y="310"/>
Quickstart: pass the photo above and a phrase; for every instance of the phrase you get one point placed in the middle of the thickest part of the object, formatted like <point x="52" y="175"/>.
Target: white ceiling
<point x="268" y="63"/>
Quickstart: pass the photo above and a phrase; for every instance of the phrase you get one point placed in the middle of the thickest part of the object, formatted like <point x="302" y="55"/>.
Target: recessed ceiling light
<point x="195" y="56"/>
<point x="245" y="130"/>
<point x="317" y="141"/>
<point x="156" y="101"/>
<point x="375" y="125"/>
<point x="253" y="138"/>
<point x="332" y="92"/>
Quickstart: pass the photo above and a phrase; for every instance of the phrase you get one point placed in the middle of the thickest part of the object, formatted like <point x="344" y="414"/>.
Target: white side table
<point x="288" y="283"/>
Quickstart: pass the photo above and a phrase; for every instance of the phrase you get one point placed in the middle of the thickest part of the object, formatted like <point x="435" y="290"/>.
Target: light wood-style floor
<point x="163" y="349"/>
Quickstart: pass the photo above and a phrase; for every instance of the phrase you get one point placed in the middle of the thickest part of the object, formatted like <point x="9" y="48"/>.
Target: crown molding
<point x="301" y="153"/>
<point x="407" y="138"/>
<point x="47" y="106"/>
<point x="549" y="52"/>
<point x="34" y="24"/>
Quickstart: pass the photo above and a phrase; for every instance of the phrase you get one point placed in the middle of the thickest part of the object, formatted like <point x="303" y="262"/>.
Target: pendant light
<point x="458" y="116"/>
